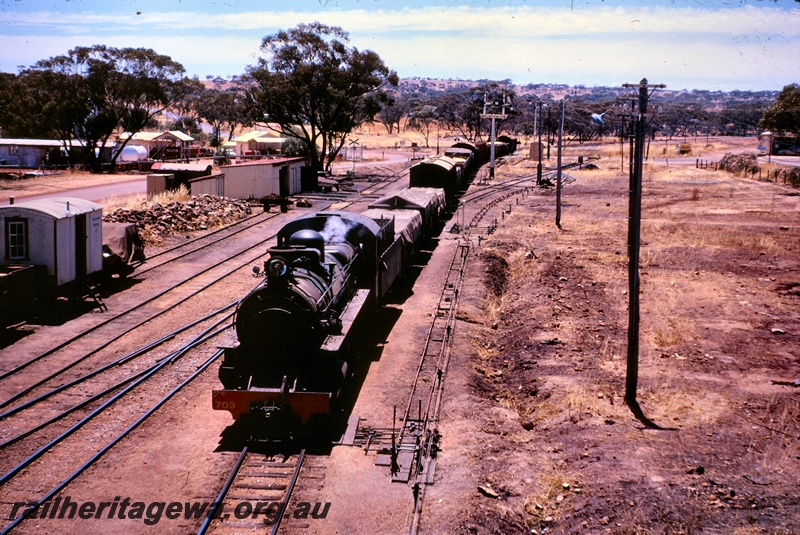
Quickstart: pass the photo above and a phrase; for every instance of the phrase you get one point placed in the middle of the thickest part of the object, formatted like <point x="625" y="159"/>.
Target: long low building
<point x="29" y="153"/>
<point x="256" y="179"/>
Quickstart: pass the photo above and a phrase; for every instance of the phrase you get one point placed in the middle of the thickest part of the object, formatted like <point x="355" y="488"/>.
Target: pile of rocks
<point x="156" y="220"/>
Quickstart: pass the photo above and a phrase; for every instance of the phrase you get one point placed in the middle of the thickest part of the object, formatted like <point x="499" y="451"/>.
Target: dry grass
<point x="711" y="253"/>
<point x="555" y="484"/>
<point x="141" y="201"/>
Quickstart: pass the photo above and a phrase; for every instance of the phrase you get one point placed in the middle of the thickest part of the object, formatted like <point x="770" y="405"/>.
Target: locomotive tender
<point x="327" y="271"/>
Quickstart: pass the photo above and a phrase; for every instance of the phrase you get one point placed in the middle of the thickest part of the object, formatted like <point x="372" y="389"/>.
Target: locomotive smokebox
<point x="308" y="239"/>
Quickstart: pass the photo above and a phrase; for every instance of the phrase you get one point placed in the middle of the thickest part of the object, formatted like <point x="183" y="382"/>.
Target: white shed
<point x="280" y="176"/>
<point x="63" y="234"/>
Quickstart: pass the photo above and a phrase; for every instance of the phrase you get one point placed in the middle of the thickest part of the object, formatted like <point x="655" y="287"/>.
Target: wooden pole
<point x="634" y="234"/>
<point x="558" y="165"/>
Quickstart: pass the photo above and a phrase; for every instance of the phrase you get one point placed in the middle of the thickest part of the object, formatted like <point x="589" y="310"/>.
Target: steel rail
<point x="425" y="357"/>
<point x="434" y="401"/>
<point x="72" y="409"/>
<point x="113" y="443"/>
<point x="229" y="483"/>
<point x="289" y="492"/>
<point x="222" y="493"/>
<point x="103" y="393"/>
<point x="212" y="242"/>
<point x="155" y="368"/>
<point x="134" y="354"/>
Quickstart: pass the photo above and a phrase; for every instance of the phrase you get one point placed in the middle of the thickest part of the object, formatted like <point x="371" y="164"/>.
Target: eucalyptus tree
<point x="461" y="112"/>
<point x="41" y="104"/>
<point x="184" y="111"/>
<point x="783" y="117"/>
<point x="392" y="112"/>
<point x="422" y="118"/>
<point x="312" y="87"/>
<point x="87" y="95"/>
<point x="222" y="110"/>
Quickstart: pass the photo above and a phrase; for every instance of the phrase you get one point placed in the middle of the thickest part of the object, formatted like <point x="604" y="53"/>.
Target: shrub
<point x="739" y="163"/>
<point x="794" y="176"/>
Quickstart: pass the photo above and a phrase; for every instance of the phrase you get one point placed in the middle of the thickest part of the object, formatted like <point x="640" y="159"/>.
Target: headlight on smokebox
<point x="277" y="267"/>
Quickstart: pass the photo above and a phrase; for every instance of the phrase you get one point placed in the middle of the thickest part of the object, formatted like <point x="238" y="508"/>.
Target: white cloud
<point x="507" y="21"/>
<point x="755" y="44"/>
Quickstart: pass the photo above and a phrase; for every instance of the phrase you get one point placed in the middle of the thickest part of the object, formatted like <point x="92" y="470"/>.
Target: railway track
<point x="16" y="482"/>
<point x="417" y="440"/>
<point x="256" y="495"/>
<point x="128" y="375"/>
<point x="200" y="243"/>
<point x="409" y="447"/>
<point x="344" y="199"/>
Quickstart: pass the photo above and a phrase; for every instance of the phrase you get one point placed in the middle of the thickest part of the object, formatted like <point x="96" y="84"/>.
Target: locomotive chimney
<point x="308" y="239"/>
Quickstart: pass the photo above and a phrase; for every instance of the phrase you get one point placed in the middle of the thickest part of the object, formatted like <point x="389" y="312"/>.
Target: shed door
<point x="283" y="179"/>
<point x="80" y="245"/>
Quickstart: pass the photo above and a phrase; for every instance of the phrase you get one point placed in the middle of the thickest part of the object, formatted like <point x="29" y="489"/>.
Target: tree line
<point x="312" y="88"/>
<point x="309" y="86"/>
<point x="675" y="115"/>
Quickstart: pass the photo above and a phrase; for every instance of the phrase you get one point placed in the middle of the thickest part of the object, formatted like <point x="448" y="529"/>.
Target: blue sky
<point x="685" y="44"/>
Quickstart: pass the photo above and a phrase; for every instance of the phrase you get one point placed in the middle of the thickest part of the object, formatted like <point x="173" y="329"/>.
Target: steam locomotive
<point x="327" y="271"/>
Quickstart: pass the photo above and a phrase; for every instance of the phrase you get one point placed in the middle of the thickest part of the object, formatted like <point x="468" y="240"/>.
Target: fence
<point x="782" y="176"/>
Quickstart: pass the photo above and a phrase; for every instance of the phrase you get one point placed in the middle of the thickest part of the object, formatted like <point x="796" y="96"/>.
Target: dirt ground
<point x="535" y="435"/>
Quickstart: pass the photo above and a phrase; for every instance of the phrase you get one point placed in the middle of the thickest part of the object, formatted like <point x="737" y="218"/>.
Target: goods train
<point x="327" y="272"/>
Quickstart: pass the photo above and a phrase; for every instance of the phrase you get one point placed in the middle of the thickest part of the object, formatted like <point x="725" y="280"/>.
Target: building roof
<point x="154" y="136"/>
<point x="181" y="135"/>
<point x="31" y="142"/>
<point x="140" y="136"/>
<point x="181" y="166"/>
<point x="56" y="207"/>
<point x="265" y="161"/>
<point x="259" y="136"/>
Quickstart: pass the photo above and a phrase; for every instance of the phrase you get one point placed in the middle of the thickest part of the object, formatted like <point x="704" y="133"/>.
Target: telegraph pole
<point x="493" y="116"/>
<point x="539" y="166"/>
<point x="634" y="228"/>
<point x="558" y="163"/>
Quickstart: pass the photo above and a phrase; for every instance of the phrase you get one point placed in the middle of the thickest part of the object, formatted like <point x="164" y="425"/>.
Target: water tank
<point x="133" y="153"/>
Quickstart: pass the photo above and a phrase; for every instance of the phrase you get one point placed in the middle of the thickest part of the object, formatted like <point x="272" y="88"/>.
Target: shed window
<point x="16" y="239"/>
